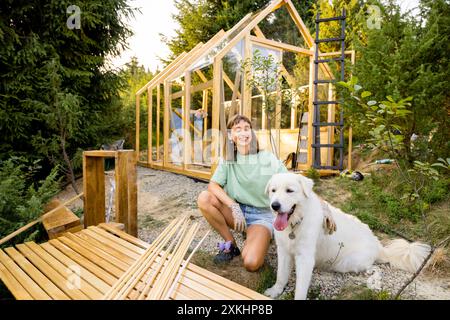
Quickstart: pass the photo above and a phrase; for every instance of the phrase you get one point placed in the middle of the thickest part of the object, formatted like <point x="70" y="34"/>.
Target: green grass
<point x="363" y="293"/>
<point x="267" y="278"/>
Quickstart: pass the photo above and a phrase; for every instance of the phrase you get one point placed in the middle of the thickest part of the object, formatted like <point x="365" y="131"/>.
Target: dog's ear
<point x="307" y="185"/>
<point x="266" y="191"/>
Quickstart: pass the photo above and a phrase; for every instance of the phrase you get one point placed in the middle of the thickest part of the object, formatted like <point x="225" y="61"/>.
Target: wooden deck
<point x="86" y="264"/>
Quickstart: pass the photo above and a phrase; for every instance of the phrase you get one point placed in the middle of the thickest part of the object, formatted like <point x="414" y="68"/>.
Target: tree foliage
<point x="56" y="95"/>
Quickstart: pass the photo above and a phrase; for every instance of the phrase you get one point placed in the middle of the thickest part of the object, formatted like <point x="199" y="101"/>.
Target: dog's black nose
<point x="276" y="206"/>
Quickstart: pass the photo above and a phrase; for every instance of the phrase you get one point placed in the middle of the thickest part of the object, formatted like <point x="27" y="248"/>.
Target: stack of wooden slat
<point x="161" y="265"/>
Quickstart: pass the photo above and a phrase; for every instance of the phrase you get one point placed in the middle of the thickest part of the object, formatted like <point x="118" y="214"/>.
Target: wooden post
<point x="158" y="118"/>
<point x="150" y="125"/>
<point x="247" y="94"/>
<point x="126" y="188"/>
<point x="167" y="107"/>
<point x="215" y="133"/>
<point x="350" y="142"/>
<point x="94" y="190"/>
<point x="310" y="111"/>
<point x="187" y="141"/>
<point x="331" y="118"/>
<point x="138" y="121"/>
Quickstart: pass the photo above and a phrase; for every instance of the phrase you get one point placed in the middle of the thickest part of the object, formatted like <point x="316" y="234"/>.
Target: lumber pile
<point x="161" y="266"/>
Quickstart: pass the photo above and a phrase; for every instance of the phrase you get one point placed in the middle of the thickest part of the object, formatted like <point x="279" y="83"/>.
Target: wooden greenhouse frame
<point x="197" y="85"/>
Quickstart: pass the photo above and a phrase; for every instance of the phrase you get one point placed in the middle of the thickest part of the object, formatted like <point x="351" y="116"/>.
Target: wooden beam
<point x="196" y="55"/>
<point x="246" y="31"/>
<point x="336" y="53"/>
<point x="229" y="82"/>
<point x="159" y="77"/>
<point x="194" y="89"/>
<point x="150" y="126"/>
<point x="201" y="75"/>
<point x="280" y="45"/>
<point x="299" y="23"/>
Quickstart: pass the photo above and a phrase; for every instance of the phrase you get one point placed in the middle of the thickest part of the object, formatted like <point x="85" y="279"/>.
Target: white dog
<point x="300" y="237"/>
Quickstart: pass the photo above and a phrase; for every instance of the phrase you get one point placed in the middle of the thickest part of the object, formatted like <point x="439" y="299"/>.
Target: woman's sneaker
<point x="227" y="251"/>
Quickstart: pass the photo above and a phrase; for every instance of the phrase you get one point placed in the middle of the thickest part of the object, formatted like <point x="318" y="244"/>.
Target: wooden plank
<point x="14" y="286"/>
<point x="227" y="283"/>
<point x="279" y="45"/>
<point x="35" y="291"/>
<point x="100" y="153"/>
<point x="125" y="236"/>
<point x="49" y="287"/>
<point x="110" y="250"/>
<point x="94" y="190"/>
<point x="60" y="220"/>
<point x="90" y="277"/>
<point x="105" y="264"/>
<point x="128" y="254"/>
<point x="68" y="273"/>
<point x="82" y="261"/>
<point x="94" y="253"/>
<point x="118" y="241"/>
<point x="61" y="282"/>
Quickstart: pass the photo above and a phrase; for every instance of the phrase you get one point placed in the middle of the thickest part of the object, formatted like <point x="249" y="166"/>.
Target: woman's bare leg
<point x="255" y="247"/>
<point x="217" y="214"/>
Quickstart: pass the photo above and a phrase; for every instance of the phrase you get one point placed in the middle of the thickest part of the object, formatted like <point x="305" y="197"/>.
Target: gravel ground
<point x="162" y="196"/>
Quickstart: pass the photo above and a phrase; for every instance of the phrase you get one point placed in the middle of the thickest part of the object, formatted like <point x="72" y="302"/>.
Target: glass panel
<point x="208" y="57"/>
<point x="200" y="119"/>
<point x="280" y="27"/>
<point x="232" y="76"/>
<point x="176" y="123"/>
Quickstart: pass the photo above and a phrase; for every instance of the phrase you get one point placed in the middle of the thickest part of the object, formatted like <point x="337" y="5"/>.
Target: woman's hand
<point x="328" y="222"/>
<point x="239" y="221"/>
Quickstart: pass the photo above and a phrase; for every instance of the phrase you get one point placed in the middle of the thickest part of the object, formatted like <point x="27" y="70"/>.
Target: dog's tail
<point x="404" y="255"/>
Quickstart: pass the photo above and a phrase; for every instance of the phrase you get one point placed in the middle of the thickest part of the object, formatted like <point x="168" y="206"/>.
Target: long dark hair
<point x="230" y="146"/>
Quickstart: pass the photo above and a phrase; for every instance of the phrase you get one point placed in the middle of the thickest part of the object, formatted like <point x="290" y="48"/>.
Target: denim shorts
<point x="261" y="216"/>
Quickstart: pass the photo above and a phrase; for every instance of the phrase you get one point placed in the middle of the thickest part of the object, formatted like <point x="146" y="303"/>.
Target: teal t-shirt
<point x="245" y="179"/>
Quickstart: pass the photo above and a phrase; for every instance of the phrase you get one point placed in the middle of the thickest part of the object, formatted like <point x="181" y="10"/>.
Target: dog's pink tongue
<point x="281" y="221"/>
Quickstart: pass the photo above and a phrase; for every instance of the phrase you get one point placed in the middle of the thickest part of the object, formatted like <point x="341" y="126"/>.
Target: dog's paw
<point x="273" y="292"/>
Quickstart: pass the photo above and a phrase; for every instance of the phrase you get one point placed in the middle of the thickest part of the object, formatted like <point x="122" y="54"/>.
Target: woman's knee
<point x="205" y="199"/>
<point x="252" y="263"/>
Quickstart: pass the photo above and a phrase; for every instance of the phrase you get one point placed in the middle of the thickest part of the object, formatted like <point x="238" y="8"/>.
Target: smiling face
<point x="287" y="191"/>
<point x="241" y="134"/>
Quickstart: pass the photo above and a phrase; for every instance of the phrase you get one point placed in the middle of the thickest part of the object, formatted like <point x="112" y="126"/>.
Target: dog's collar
<point x="293" y="227"/>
